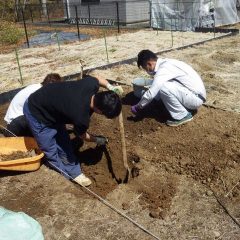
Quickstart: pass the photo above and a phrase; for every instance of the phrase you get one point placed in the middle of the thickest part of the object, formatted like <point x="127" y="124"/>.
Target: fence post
<point x="76" y="10"/>
<point x="150" y="9"/>
<point x="171" y="33"/>
<point x="214" y="22"/>
<point x="25" y="28"/>
<point x="118" y="22"/>
<point x="89" y="15"/>
<point x="40" y="11"/>
<point x="31" y="12"/>
<point x="17" y="16"/>
<point x="66" y="6"/>
<point x="48" y="15"/>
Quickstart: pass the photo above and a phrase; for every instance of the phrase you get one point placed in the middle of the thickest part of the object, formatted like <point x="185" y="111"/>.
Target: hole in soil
<point x="155" y="109"/>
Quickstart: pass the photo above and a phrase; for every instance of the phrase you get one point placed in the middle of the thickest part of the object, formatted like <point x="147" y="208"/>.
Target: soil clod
<point x="17" y="155"/>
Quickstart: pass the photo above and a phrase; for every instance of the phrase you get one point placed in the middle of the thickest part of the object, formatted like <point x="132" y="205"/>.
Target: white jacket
<point x="170" y="69"/>
<point x="15" y="108"/>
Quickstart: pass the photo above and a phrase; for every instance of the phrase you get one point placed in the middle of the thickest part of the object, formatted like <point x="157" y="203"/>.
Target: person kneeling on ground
<point x="16" y="121"/>
<point x="176" y="83"/>
<point x="73" y="102"/>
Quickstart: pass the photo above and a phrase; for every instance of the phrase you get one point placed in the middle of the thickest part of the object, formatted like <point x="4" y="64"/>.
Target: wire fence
<point x="169" y="15"/>
<point x="109" y="49"/>
<point x="103" y="14"/>
<point x="163" y="14"/>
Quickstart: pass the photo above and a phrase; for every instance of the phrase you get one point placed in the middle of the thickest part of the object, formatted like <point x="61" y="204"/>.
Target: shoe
<point x="82" y="180"/>
<point x="175" y="123"/>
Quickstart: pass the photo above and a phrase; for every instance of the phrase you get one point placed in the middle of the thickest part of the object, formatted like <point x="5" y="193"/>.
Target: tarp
<point x="18" y="226"/>
<point x="186" y="15"/>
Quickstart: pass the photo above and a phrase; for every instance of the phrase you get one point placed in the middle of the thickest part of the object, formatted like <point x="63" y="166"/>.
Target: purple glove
<point x="135" y="109"/>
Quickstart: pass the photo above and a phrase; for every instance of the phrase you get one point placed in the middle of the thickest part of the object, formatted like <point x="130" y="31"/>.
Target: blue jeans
<point x="54" y="141"/>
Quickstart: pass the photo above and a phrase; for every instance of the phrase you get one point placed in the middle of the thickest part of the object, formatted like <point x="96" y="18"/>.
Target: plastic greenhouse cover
<point x="186" y="14"/>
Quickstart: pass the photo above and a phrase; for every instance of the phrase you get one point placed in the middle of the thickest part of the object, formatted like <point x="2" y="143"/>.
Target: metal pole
<point x="171" y="33"/>
<point x="118" y="22"/>
<point x="31" y="13"/>
<point x="76" y="10"/>
<point x="164" y="25"/>
<point x="17" y="16"/>
<point x="40" y="11"/>
<point x="48" y="15"/>
<point x="150" y="12"/>
<point x="214" y="22"/>
<point x="66" y="6"/>
<point x="89" y="15"/>
<point x="19" y="67"/>
<point x="25" y="28"/>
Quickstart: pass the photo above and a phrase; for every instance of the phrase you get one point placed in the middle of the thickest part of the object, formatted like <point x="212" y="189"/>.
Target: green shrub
<point x="10" y="33"/>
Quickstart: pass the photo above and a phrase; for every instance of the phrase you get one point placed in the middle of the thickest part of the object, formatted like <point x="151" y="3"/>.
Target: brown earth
<point x="205" y="152"/>
<point x="184" y="173"/>
<point x="16" y="155"/>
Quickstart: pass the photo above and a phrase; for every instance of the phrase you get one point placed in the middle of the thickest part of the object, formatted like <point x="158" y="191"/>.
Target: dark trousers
<point x="54" y="141"/>
<point x="19" y="127"/>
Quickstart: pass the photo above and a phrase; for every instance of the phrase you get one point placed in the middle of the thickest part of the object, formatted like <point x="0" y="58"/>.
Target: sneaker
<point x="82" y="180"/>
<point x="175" y="123"/>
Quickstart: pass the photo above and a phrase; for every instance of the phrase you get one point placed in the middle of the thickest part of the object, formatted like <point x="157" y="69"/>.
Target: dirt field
<point x="185" y="173"/>
<point x="37" y="62"/>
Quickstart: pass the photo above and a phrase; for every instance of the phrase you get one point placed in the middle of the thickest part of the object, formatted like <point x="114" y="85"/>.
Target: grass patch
<point x="10" y="33"/>
<point x="112" y="50"/>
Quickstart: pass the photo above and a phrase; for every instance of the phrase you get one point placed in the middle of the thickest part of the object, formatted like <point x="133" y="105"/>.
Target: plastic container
<point x="18" y="226"/>
<point x="140" y="85"/>
<point x="24" y="144"/>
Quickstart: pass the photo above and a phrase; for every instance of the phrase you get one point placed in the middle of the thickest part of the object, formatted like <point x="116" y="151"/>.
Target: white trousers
<point x="178" y="99"/>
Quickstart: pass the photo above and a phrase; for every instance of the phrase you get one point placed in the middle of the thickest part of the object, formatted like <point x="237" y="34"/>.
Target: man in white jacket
<point x="176" y="83"/>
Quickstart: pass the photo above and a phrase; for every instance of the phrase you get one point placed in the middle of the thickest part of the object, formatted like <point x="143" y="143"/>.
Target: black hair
<point x="51" y="78"/>
<point x="109" y="103"/>
<point x="144" y="56"/>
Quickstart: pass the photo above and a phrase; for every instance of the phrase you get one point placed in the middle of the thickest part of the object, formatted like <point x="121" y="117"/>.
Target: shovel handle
<point x="123" y="142"/>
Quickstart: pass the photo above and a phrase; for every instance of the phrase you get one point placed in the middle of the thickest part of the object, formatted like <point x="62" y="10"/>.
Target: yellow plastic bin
<point x="23" y="144"/>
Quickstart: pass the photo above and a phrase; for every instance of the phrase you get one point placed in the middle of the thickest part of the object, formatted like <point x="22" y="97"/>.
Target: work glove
<point x="117" y="89"/>
<point x="135" y="109"/>
<point x="101" y="140"/>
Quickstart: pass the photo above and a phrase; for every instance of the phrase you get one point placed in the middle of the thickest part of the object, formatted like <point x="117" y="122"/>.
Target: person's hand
<point x="135" y="109"/>
<point x="117" y="89"/>
<point x="101" y="140"/>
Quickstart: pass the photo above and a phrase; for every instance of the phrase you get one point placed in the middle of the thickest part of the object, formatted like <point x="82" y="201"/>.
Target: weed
<point x="9" y="33"/>
<point x="113" y="50"/>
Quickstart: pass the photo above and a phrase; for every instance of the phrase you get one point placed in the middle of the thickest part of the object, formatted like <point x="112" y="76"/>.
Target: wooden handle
<point x="123" y="142"/>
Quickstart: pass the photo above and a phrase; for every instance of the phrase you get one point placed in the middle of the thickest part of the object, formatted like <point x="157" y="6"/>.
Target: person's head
<point x="51" y="78"/>
<point x="107" y="103"/>
<point x="147" y="60"/>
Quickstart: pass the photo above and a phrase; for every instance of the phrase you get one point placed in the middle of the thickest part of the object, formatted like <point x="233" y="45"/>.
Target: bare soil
<point x="183" y="173"/>
<point x="16" y="155"/>
<point x="203" y="154"/>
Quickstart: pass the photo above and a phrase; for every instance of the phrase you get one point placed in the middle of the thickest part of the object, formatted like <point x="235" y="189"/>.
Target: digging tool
<point x="123" y="142"/>
<point x="5" y="129"/>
